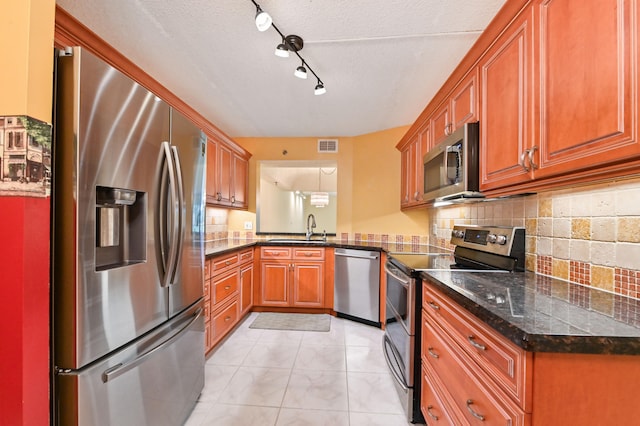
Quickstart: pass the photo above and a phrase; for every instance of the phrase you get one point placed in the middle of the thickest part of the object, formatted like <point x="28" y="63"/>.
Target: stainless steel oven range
<point x="499" y="249"/>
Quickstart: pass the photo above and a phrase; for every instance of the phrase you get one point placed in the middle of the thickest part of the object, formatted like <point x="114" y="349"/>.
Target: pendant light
<point x="319" y="199"/>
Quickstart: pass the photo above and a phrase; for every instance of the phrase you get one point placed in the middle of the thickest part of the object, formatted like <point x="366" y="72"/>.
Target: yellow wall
<point x="368" y="181"/>
<point x="26" y="43"/>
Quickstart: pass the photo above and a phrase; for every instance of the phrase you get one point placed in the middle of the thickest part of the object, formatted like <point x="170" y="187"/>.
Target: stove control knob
<point x="457" y="233"/>
<point x="500" y="300"/>
<point x="501" y="239"/>
<point x="491" y="238"/>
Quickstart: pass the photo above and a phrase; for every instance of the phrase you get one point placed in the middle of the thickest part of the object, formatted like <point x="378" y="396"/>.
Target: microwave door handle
<point x="447" y="178"/>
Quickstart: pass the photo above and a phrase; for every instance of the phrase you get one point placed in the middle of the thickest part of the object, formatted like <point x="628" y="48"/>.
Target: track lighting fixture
<point x="290" y="43"/>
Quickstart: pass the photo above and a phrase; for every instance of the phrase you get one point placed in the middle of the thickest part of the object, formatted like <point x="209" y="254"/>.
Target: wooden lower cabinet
<point x="292" y="277"/>
<point x="506" y="385"/>
<point x="228" y="293"/>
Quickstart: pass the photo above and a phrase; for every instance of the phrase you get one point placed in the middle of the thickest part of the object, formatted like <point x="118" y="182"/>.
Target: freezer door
<point x="188" y="146"/>
<point x="108" y="131"/>
<point x="154" y="381"/>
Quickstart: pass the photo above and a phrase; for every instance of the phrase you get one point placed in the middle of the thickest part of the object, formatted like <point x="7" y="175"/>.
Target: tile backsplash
<point x="588" y="235"/>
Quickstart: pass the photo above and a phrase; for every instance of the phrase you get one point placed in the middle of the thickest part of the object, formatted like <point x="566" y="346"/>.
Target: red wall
<point x="24" y="310"/>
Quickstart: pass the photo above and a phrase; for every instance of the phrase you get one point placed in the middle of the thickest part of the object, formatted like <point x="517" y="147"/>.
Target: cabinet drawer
<point x="224" y="287"/>
<point x="472" y="393"/>
<point x="225" y="319"/>
<point x="246" y="255"/>
<point x="222" y="263"/>
<point x="308" y="253"/>
<point x="434" y="401"/>
<point x="275" y="252"/>
<point x="501" y="359"/>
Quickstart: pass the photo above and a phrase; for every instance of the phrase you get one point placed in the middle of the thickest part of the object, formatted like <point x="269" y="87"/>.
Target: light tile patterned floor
<point x="271" y="377"/>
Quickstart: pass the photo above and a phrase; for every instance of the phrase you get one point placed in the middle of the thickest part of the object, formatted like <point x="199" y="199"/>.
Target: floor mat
<point x="301" y="322"/>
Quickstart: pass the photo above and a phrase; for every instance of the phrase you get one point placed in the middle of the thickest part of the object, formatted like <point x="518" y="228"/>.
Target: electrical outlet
<point x="434" y="229"/>
<point x="248" y="225"/>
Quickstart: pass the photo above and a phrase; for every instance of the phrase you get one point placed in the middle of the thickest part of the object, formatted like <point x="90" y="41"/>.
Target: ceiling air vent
<point x="327" y="145"/>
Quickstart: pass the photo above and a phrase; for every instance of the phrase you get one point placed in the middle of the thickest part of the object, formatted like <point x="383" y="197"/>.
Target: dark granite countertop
<point x="544" y="314"/>
<point x="218" y="247"/>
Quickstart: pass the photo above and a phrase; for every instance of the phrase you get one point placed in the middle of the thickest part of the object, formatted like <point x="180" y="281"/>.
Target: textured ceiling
<point x="380" y="61"/>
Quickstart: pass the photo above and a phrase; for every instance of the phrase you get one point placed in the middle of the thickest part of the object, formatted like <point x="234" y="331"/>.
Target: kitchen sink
<point x="294" y="240"/>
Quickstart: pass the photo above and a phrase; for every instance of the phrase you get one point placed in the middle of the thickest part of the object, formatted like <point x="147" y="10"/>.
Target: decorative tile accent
<point x="580" y="272"/>
<point x="627" y="282"/>
<point x="544" y="265"/>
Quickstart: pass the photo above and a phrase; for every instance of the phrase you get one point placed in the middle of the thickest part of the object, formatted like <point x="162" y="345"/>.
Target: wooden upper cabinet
<point x="505" y="79"/>
<point x="212" y="181"/>
<point x="412" y="185"/>
<point x="441" y="124"/>
<point x="464" y="101"/>
<point x="225" y="163"/>
<point x="240" y="181"/>
<point x="227" y="175"/>
<point x="587" y="71"/>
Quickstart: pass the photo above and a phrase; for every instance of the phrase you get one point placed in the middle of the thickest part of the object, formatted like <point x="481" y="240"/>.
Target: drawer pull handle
<point x="473" y="413"/>
<point x="227" y="287"/>
<point x="433" y="306"/>
<point x="476" y="344"/>
<point x="433" y="416"/>
<point x="432" y="353"/>
<point x="227" y="263"/>
<point x="227" y="318"/>
<point x="308" y="254"/>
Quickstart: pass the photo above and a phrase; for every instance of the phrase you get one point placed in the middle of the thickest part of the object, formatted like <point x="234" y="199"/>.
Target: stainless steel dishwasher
<point x="357" y="285"/>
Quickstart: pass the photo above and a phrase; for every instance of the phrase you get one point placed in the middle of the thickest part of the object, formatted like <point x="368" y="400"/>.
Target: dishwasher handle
<point x="358" y="256"/>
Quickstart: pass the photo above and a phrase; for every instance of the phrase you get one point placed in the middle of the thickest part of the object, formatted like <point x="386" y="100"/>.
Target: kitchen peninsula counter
<point x="543" y="314"/>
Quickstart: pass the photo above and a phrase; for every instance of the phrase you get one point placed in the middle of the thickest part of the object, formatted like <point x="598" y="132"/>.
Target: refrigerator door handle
<point x="181" y="219"/>
<point x="121" y="368"/>
<point x="171" y="219"/>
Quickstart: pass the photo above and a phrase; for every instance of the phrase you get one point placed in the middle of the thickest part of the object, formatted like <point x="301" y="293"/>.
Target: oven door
<point x="400" y="299"/>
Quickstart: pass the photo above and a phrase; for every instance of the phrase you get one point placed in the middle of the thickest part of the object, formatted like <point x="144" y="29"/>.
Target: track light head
<point x="282" y="51"/>
<point x="319" y="90"/>
<point x="300" y="72"/>
<point x="263" y="19"/>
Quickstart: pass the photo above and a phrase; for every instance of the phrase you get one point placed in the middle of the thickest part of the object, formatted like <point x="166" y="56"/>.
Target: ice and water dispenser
<point x="120" y="227"/>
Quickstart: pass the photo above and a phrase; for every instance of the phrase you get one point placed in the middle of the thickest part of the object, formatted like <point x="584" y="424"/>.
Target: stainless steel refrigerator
<point x="128" y="251"/>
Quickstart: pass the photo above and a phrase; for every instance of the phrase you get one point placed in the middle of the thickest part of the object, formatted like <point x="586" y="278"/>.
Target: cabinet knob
<point x="219" y="196"/>
<point x="233" y="199"/>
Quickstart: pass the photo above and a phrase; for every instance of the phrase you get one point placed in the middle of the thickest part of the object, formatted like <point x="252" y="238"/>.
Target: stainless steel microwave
<point x="451" y="168"/>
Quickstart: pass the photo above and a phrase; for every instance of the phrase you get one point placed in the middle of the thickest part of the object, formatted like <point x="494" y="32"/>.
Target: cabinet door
<point x="587" y="71"/>
<point x="308" y="284"/>
<point x="274" y="285"/>
<point x="505" y="114"/>
<point x="246" y="288"/>
<point x="464" y="101"/>
<point x="225" y="175"/>
<point x="240" y="182"/>
<point x="212" y="169"/>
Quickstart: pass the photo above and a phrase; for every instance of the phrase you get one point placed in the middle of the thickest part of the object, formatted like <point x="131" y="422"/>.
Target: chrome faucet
<point x="311" y="218"/>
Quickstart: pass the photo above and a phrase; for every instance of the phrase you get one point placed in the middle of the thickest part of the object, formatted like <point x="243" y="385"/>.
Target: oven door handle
<point x="386" y="343"/>
<point x="403" y="280"/>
